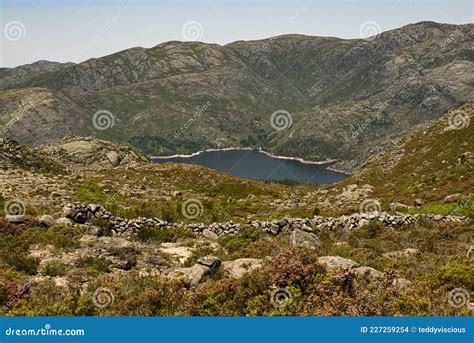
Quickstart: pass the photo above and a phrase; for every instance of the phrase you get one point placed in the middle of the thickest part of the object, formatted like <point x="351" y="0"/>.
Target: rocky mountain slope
<point x="344" y="99"/>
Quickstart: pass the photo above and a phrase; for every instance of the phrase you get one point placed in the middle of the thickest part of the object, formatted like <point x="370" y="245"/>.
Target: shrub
<point x="7" y="228"/>
<point x="54" y="268"/>
<point x="22" y="263"/>
<point x="99" y="264"/>
<point x="104" y="226"/>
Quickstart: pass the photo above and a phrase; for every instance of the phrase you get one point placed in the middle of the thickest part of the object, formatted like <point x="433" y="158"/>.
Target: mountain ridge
<point x="347" y="99"/>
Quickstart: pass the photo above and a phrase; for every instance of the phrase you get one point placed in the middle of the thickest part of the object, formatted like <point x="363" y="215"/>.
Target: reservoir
<point x="258" y="165"/>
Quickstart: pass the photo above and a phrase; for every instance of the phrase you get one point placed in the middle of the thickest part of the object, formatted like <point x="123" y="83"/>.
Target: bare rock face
<point x="239" y="267"/>
<point x="86" y="152"/>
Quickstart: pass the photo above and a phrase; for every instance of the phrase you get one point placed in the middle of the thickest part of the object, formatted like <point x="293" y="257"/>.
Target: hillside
<point x="347" y="98"/>
<point x="135" y="238"/>
<point x="433" y="164"/>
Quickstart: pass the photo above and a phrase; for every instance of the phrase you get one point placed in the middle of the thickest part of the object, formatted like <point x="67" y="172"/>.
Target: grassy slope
<point x="428" y="165"/>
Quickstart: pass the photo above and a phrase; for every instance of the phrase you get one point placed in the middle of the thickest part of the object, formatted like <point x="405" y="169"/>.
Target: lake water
<point x="257" y="165"/>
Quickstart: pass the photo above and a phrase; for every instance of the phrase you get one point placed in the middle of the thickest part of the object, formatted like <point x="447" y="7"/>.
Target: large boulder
<point x="192" y="275"/>
<point x="239" y="267"/>
<point x="334" y="263"/>
<point x="212" y="262"/>
<point x="114" y="158"/>
<point x="300" y="238"/>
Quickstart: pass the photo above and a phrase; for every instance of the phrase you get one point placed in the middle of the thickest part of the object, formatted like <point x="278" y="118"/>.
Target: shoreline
<point x="329" y="162"/>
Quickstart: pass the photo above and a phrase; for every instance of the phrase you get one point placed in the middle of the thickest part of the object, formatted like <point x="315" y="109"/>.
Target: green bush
<point x="99" y="264"/>
<point x="22" y="263"/>
<point x="54" y="268"/>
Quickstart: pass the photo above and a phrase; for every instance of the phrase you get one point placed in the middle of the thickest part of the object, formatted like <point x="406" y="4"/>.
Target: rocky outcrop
<point x="91" y="153"/>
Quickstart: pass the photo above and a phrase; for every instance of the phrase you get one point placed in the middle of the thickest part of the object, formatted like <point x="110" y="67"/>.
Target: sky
<point x="76" y="30"/>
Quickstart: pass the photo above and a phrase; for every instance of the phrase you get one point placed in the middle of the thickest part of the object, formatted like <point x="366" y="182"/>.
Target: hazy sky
<point x="75" y="30"/>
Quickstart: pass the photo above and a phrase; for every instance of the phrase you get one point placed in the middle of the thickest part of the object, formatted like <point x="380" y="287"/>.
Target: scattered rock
<point x="401" y="283"/>
<point x="239" y="267"/>
<point x="401" y="253"/>
<point x="212" y="262"/>
<point x="192" y="275"/>
<point x="46" y="220"/>
<point x="333" y="263"/>
<point x="302" y="239"/>
<point x="209" y="234"/>
<point x="114" y="158"/>
<point x="452" y="198"/>
<point x="418" y="202"/>
<point x="64" y="221"/>
<point x="369" y="272"/>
